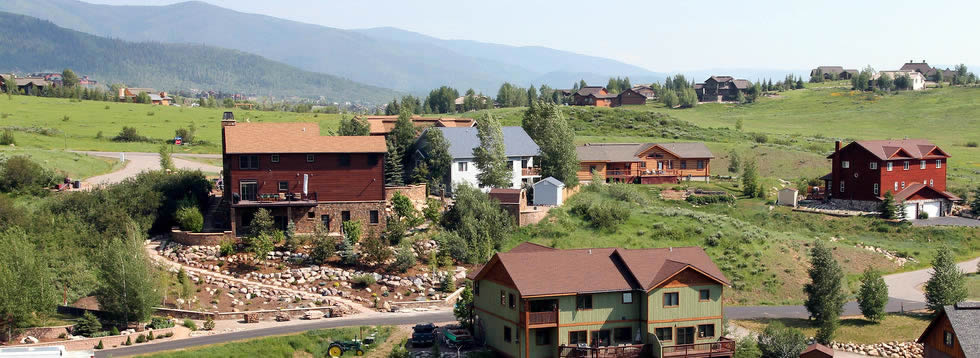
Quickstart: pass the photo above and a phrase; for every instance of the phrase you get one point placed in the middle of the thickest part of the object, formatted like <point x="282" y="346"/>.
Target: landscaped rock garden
<point x="889" y="349"/>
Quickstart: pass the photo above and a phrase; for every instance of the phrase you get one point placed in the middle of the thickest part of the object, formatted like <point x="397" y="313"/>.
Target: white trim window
<point x="906" y="165"/>
<point x="888" y="166"/>
<point x="930" y="182"/>
<point x="463" y="166"/>
<point x="842" y="186"/>
<point x="903" y="185"/>
<point x="873" y="165"/>
<point x="939" y="163"/>
<point x="275" y="158"/>
<point x="896" y="186"/>
<point x="922" y="164"/>
<point x="845" y="164"/>
<point x="876" y="189"/>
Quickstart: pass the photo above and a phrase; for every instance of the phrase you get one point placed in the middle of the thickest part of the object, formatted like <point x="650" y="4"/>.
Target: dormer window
<point x="922" y="164"/>
<point x="939" y="163"/>
<point x="888" y="166"/>
<point x="906" y="167"/>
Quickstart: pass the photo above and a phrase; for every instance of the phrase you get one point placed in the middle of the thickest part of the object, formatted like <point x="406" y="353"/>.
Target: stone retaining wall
<point x="107" y="342"/>
<point x="417" y="193"/>
<point x="262" y="314"/>
<point x="42" y="333"/>
<point x="200" y="238"/>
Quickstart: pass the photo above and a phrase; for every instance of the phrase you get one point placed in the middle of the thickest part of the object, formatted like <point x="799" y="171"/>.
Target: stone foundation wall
<point x="859" y="205"/>
<point x="417" y="193"/>
<point x="200" y="238"/>
<point x="42" y="333"/>
<point x="262" y="314"/>
<point x="107" y="342"/>
<point x="533" y="217"/>
<point x="306" y="218"/>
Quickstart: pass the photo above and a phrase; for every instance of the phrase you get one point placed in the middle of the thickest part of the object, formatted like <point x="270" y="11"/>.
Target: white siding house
<point x="519" y="148"/>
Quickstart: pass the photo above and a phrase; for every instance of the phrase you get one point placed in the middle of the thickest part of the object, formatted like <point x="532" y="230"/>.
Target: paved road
<point x="947" y="221"/>
<point x="138" y="162"/>
<point x="906" y="285"/>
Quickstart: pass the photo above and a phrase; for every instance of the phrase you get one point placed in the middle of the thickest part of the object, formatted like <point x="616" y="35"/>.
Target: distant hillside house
<point x="32" y="85"/>
<point x="520" y="149"/>
<point x="917" y="78"/>
<point x="383" y="125"/>
<point x="130" y="94"/>
<point x="828" y="72"/>
<point x="721" y="89"/>
<point x="537" y="301"/>
<point x="647" y="163"/>
<point x="599" y="97"/>
<point x="912" y="170"/>
<point x="920" y="67"/>
<point x="953" y="333"/>
<point x="646" y="91"/>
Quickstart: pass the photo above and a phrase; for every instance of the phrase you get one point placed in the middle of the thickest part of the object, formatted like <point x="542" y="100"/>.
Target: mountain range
<point x="383" y="57"/>
<point x="29" y="44"/>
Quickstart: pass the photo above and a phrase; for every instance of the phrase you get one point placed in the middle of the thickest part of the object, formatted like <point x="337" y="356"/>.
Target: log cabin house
<point x="721" y="89"/>
<point x="646" y="163"/>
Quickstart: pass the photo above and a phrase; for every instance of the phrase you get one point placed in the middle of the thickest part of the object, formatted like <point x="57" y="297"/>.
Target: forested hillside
<point x="28" y="45"/>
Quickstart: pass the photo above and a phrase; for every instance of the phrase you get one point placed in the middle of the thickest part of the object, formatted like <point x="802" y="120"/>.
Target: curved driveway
<point x="138" y="162"/>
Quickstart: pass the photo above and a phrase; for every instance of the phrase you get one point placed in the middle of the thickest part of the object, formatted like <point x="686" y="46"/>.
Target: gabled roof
<point x="721" y="78"/>
<point x="552" y="181"/>
<point x="295" y="137"/>
<point x="608" y="152"/>
<point x="587" y="90"/>
<point x="828" y="69"/>
<point x="926" y="190"/>
<point x="462" y="141"/>
<point x="381" y="125"/>
<point x="541" y="271"/>
<point x="681" y="150"/>
<point x="819" y="348"/>
<point x="965" y="319"/>
<point x="742" y="84"/>
<point x="900" y="149"/>
<point x="921" y="67"/>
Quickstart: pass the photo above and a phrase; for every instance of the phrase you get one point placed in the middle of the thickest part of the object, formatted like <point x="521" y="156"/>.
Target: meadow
<point x="72" y="165"/>
<point x="307" y="344"/>
<point x="895" y="327"/>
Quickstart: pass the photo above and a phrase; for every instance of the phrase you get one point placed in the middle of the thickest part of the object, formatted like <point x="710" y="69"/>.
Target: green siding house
<point x="535" y="301"/>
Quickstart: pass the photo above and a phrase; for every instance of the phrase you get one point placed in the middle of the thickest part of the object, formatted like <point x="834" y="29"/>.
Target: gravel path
<point x="138" y="162"/>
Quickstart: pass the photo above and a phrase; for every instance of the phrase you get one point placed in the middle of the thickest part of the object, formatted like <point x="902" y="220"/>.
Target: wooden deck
<point x="630" y="351"/>
<point x="724" y="347"/>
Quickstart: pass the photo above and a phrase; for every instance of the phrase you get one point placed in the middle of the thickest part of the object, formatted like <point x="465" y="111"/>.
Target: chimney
<point x="590" y="251"/>
<point x="836" y="146"/>
<point x="228" y="119"/>
<point x="671" y="249"/>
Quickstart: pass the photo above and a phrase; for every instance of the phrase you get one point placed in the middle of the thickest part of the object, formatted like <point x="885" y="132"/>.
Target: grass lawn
<point x="73" y="165"/>
<point x="973" y="286"/>
<point x="895" y="327"/>
<point x="314" y="343"/>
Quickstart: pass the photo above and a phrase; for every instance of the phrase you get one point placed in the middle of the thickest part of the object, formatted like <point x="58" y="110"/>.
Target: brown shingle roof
<point x="385" y="124"/>
<point x="820" y="348"/>
<point x="587" y="90"/>
<point x="920" y="67"/>
<point x="897" y="149"/>
<point x="296" y="137"/>
<point x="917" y="187"/>
<point x="742" y="84"/>
<point x="681" y="150"/>
<point x="544" y="271"/>
<point x="506" y="196"/>
<point x="608" y="152"/>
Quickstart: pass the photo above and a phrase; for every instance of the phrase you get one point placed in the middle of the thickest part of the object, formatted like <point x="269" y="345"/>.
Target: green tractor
<point x="338" y="348"/>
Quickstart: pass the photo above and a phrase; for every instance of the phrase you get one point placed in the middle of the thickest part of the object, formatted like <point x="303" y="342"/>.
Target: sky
<point x="670" y="36"/>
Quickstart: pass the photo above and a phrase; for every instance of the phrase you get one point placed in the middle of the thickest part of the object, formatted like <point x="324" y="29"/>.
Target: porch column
<point x="527" y="331"/>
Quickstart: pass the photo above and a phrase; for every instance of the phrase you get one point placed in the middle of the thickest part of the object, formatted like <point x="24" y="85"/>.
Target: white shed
<point x="548" y="191"/>
<point x="787" y="196"/>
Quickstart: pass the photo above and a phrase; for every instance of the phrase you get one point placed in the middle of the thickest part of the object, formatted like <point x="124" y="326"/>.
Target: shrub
<point x="972" y="144"/>
<point x="114" y="331"/>
<point x="710" y="199"/>
<point x="602" y="214"/>
<point x="451" y="245"/>
<point x="352" y="230"/>
<point x="7" y="137"/>
<point x="625" y="192"/>
<point x="404" y="258"/>
<point x="363" y="280"/>
<point x="190" y="324"/>
<point x="149" y="336"/>
<point x="447" y="284"/>
<point x="923" y="215"/>
<point x="22" y="173"/>
<point x="227" y="247"/>
<point x="169" y="334"/>
<point x="376" y="250"/>
<point x="129" y="134"/>
<point x="87" y="325"/>
<point x="128" y="342"/>
<point x="99" y="346"/>
<point x="141" y="339"/>
<point x="209" y="324"/>
<point x="395" y="230"/>
<point x="432" y="210"/>
<point x="760" y="138"/>
<point x="324" y="246"/>
<point x="189" y="219"/>
<point x="161" y="323"/>
<point x="777" y="340"/>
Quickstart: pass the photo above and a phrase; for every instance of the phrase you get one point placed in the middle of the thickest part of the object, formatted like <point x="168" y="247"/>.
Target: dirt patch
<point x="669" y="194"/>
<point x="397" y="336"/>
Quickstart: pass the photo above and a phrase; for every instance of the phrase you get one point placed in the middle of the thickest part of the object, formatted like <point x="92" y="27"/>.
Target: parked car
<point x="423" y="334"/>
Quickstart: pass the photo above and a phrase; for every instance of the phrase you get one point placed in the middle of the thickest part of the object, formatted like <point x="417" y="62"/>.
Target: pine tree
<point x="749" y="179"/>
<point x="947" y="285"/>
<point x="825" y="299"/>
<point x="873" y="295"/>
<point x="887" y="207"/>
<point x="166" y="163"/>
<point x="393" y="165"/>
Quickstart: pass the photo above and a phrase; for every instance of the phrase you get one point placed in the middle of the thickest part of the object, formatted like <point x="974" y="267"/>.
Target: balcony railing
<point x="629" y="351"/>
<point x="280" y="199"/>
<point x="542" y="317"/>
<point x="528" y="172"/>
<point x="642" y="172"/>
<point x="724" y="347"/>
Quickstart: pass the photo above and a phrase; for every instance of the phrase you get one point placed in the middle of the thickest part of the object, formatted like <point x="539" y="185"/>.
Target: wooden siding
<point x="489" y="301"/>
<point x="584" y="170"/>
<point x="859" y="178"/>
<point x="605" y="307"/>
<point x="671" y="163"/>
<point x="690" y="311"/>
<point x="360" y="181"/>
<point x="564" y="331"/>
<point x="631" y="97"/>
<point x="547" y="350"/>
<point x="495" y="336"/>
<point x="934" y="339"/>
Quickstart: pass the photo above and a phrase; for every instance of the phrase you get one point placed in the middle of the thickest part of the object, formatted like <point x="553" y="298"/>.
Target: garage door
<point x="910" y="212"/>
<point x="932" y="208"/>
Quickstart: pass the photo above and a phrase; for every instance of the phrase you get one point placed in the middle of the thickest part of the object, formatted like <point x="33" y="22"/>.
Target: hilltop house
<point x="830" y="72"/>
<point x="536" y="301"/>
<point x="301" y="176"/>
<point x="647" y="163"/>
<point x="382" y="125"/>
<point x="953" y="333"/>
<point x="646" y="91"/>
<point x="598" y="96"/>
<point x="520" y="149"/>
<point x="920" y="67"/>
<point x="918" y="81"/>
<point x="721" y="89"/>
<point x="913" y="170"/>
<point x="130" y="95"/>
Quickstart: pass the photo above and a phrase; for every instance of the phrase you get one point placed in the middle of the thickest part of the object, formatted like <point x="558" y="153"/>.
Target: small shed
<point x="787" y="196"/>
<point x="548" y="191"/>
<point x="817" y="350"/>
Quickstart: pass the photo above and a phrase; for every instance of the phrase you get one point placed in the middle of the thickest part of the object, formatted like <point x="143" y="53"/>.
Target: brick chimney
<point x="228" y="119"/>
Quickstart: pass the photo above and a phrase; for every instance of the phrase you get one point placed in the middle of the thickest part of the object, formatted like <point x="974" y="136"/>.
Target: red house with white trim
<point x="913" y="170"/>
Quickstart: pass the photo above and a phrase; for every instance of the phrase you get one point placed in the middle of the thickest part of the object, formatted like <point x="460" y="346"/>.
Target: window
<point x="542" y="337"/>
<point x="922" y="164"/>
<point x="510" y="164"/>
<point x="600" y="338"/>
<point x="374" y="216"/>
<point x="463" y="166"/>
<point x="511" y="302"/>
<point x="578" y="337"/>
<point x="842" y="186"/>
<point x="643" y="164"/>
<point x="507" y="334"/>
<point x="284" y="186"/>
<point x="345" y="216"/>
<point x="623" y="334"/>
<point x="664" y="333"/>
<point x="905" y="165"/>
<point x="476" y="288"/>
<point x="896" y="186"/>
<point x="248" y="162"/>
<point x="700" y="164"/>
<point x="275" y="158"/>
<point x="310" y="158"/>
<point x="706" y="330"/>
<point x="325" y="219"/>
<point x="873" y="165"/>
<point x="903" y="185"/>
<point x="930" y="182"/>
<point x="704" y="295"/>
<point x="671" y="299"/>
<point x="888" y="166"/>
<point x="523" y="163"/>
<point x="939" y="163"/>
<point x="845" y="164"/>
<point x="948" y="338"/>
<point x="627" y="297"/>
<point x="683" y="164"/>
<point x="876" y="190"/>
<point x="372" y="159"/>
<point x="310" y="215"/>
<point x="343" y="160"/>
<point x="249" y="189"/>
<point x="583" y="302"/>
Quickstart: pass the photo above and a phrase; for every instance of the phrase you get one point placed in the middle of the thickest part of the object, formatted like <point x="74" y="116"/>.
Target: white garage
<point x="911" y="211"/>
<point x="933" y="208"/>
<point x="923" y="199"/>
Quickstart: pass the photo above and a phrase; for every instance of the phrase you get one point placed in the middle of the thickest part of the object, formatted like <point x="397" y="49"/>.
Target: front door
<point x="685" y="335"/>
<point x="249" y="189"/>
<point x="660" y="166"/>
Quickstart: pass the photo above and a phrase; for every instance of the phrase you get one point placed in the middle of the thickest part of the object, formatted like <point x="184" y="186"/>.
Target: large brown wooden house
<point x="954" y="333"/>
<point x="721" y="89"/>
<point x="301" y="176"/>
<point x="646" y="163"/>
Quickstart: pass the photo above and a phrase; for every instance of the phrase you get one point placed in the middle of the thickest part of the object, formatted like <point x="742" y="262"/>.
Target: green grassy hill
<point x="28" y="45"/>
